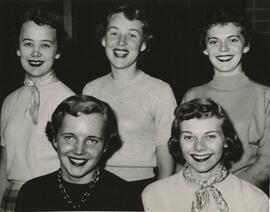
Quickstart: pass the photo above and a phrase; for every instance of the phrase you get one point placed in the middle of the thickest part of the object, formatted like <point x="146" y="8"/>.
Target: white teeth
<point x="35" y="62"/>
<point x="78" y="161"/>
<point x="201" y="157"/>
<point x="224" y="58"/>
<point x="120" y="53"/>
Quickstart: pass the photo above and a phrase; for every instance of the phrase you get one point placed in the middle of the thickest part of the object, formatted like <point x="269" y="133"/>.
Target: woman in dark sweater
<point x="84" y="132"/>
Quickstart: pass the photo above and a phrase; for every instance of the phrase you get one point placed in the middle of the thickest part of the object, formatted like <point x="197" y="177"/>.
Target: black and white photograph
<point x="135" y="105"/>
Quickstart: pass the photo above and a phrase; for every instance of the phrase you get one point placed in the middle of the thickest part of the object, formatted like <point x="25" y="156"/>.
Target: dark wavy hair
<point x="223" y="17"/>
<point x="203" y="108"/>
<point x="43" y="17"/>
<point x="83" y="104"/>
<point x="131" y="13"/>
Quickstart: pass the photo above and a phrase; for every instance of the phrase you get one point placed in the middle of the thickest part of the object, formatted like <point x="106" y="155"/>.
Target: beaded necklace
<point x="84" y="197"/>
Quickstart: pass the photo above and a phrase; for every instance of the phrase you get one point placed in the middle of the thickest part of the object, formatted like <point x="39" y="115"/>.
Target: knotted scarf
<point x="202" y="195"/>
<point x="32" y="110"/>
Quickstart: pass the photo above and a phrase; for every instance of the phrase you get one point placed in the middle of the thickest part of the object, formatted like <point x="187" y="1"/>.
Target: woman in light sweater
<point x="143" y="104"/>
<point x="25" y="150"/>
<point x="204" y="138"/>
<point x="225" y="38"/>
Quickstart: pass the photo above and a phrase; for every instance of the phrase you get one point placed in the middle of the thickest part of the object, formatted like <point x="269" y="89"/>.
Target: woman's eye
<point x="212" y="42"/>
<point x="188" y="137"/>
<point x="132" y="35"/>
<point x="211" y="137"/>
<point x="234" y="40"/>
<point x="68" y="138"/>
<point x="27" y="44"/>
<point x="92" y="141"/>
<point x="45" y="45"/>
<point x="112" y="34"/>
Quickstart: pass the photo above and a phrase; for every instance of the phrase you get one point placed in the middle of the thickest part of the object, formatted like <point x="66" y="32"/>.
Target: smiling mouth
<point x="201" y="158"/>
<point x="121" y="53"/>
<point x="35" y="63"/>
<point x="77" y="161"/>
<point x="224" y="58"/>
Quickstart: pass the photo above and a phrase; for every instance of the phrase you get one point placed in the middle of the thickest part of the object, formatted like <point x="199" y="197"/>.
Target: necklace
<point x="84" y="197"/>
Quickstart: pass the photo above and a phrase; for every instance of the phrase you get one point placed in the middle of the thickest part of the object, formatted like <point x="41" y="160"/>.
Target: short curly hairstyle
<point x="203" y="108"/>
<point x="83" y="104"/>
<point x="224" y="16"/>
<point x="43" y="17"/>
<point x="131" y="13"/>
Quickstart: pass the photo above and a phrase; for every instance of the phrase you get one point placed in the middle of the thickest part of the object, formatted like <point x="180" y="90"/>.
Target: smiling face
<point x="123" y="41"/>
<point x="225" y="47"/>
<point x="202" y="142"/>
<point x="80" y="145"/>
<point x="37" y="49"/>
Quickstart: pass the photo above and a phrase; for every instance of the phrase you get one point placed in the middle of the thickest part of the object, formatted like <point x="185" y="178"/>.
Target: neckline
<point x="45" y="80"/>
<point x="228" y="83"/>
<point x="65" y="187"/>
<point x="125" y="83"/>
<point x="189" y="176"/>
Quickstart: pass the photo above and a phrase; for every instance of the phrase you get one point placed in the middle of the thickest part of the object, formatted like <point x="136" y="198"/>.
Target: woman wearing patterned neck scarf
<point x="26" y="152"/>
<point x="225" y="39"/>
<point x="204" y="140"/>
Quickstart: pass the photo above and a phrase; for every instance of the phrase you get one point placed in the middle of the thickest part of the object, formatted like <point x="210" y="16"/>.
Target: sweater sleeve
<point x="164" y="115"/>
<point x="188" y="96"/>
<point x="5" y="111"/>
<point x="24" y="199"/>
<point x="258" y="173"/>
<point x="255" y="200"/>
<point x="3" y="121"/>
<point x="149" y="202"/>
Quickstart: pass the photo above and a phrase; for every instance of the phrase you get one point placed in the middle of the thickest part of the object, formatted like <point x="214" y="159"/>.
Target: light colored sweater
<point x="248" y="106"/>
<point x="174" y="194"/>
<point x="144" y="108"/>
<point x="29" y="152"/>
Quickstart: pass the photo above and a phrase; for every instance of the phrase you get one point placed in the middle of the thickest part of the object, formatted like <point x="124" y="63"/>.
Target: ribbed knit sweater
<point x="248" y="106"/>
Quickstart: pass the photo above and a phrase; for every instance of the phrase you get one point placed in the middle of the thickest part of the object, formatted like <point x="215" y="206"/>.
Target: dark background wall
<point x="174" y="57"/>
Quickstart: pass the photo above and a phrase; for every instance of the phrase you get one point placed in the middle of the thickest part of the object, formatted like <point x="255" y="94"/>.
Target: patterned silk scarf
<point x="202" y="195"/>
<point x="32" y="110"/>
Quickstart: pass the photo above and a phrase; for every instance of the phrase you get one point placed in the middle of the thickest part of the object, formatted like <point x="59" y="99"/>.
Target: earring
<point x="226" y="142"/>
<point x="57" y="56"/>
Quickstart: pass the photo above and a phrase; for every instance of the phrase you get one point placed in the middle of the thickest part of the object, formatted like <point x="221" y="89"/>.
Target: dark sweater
<point x="110" y="193"/>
